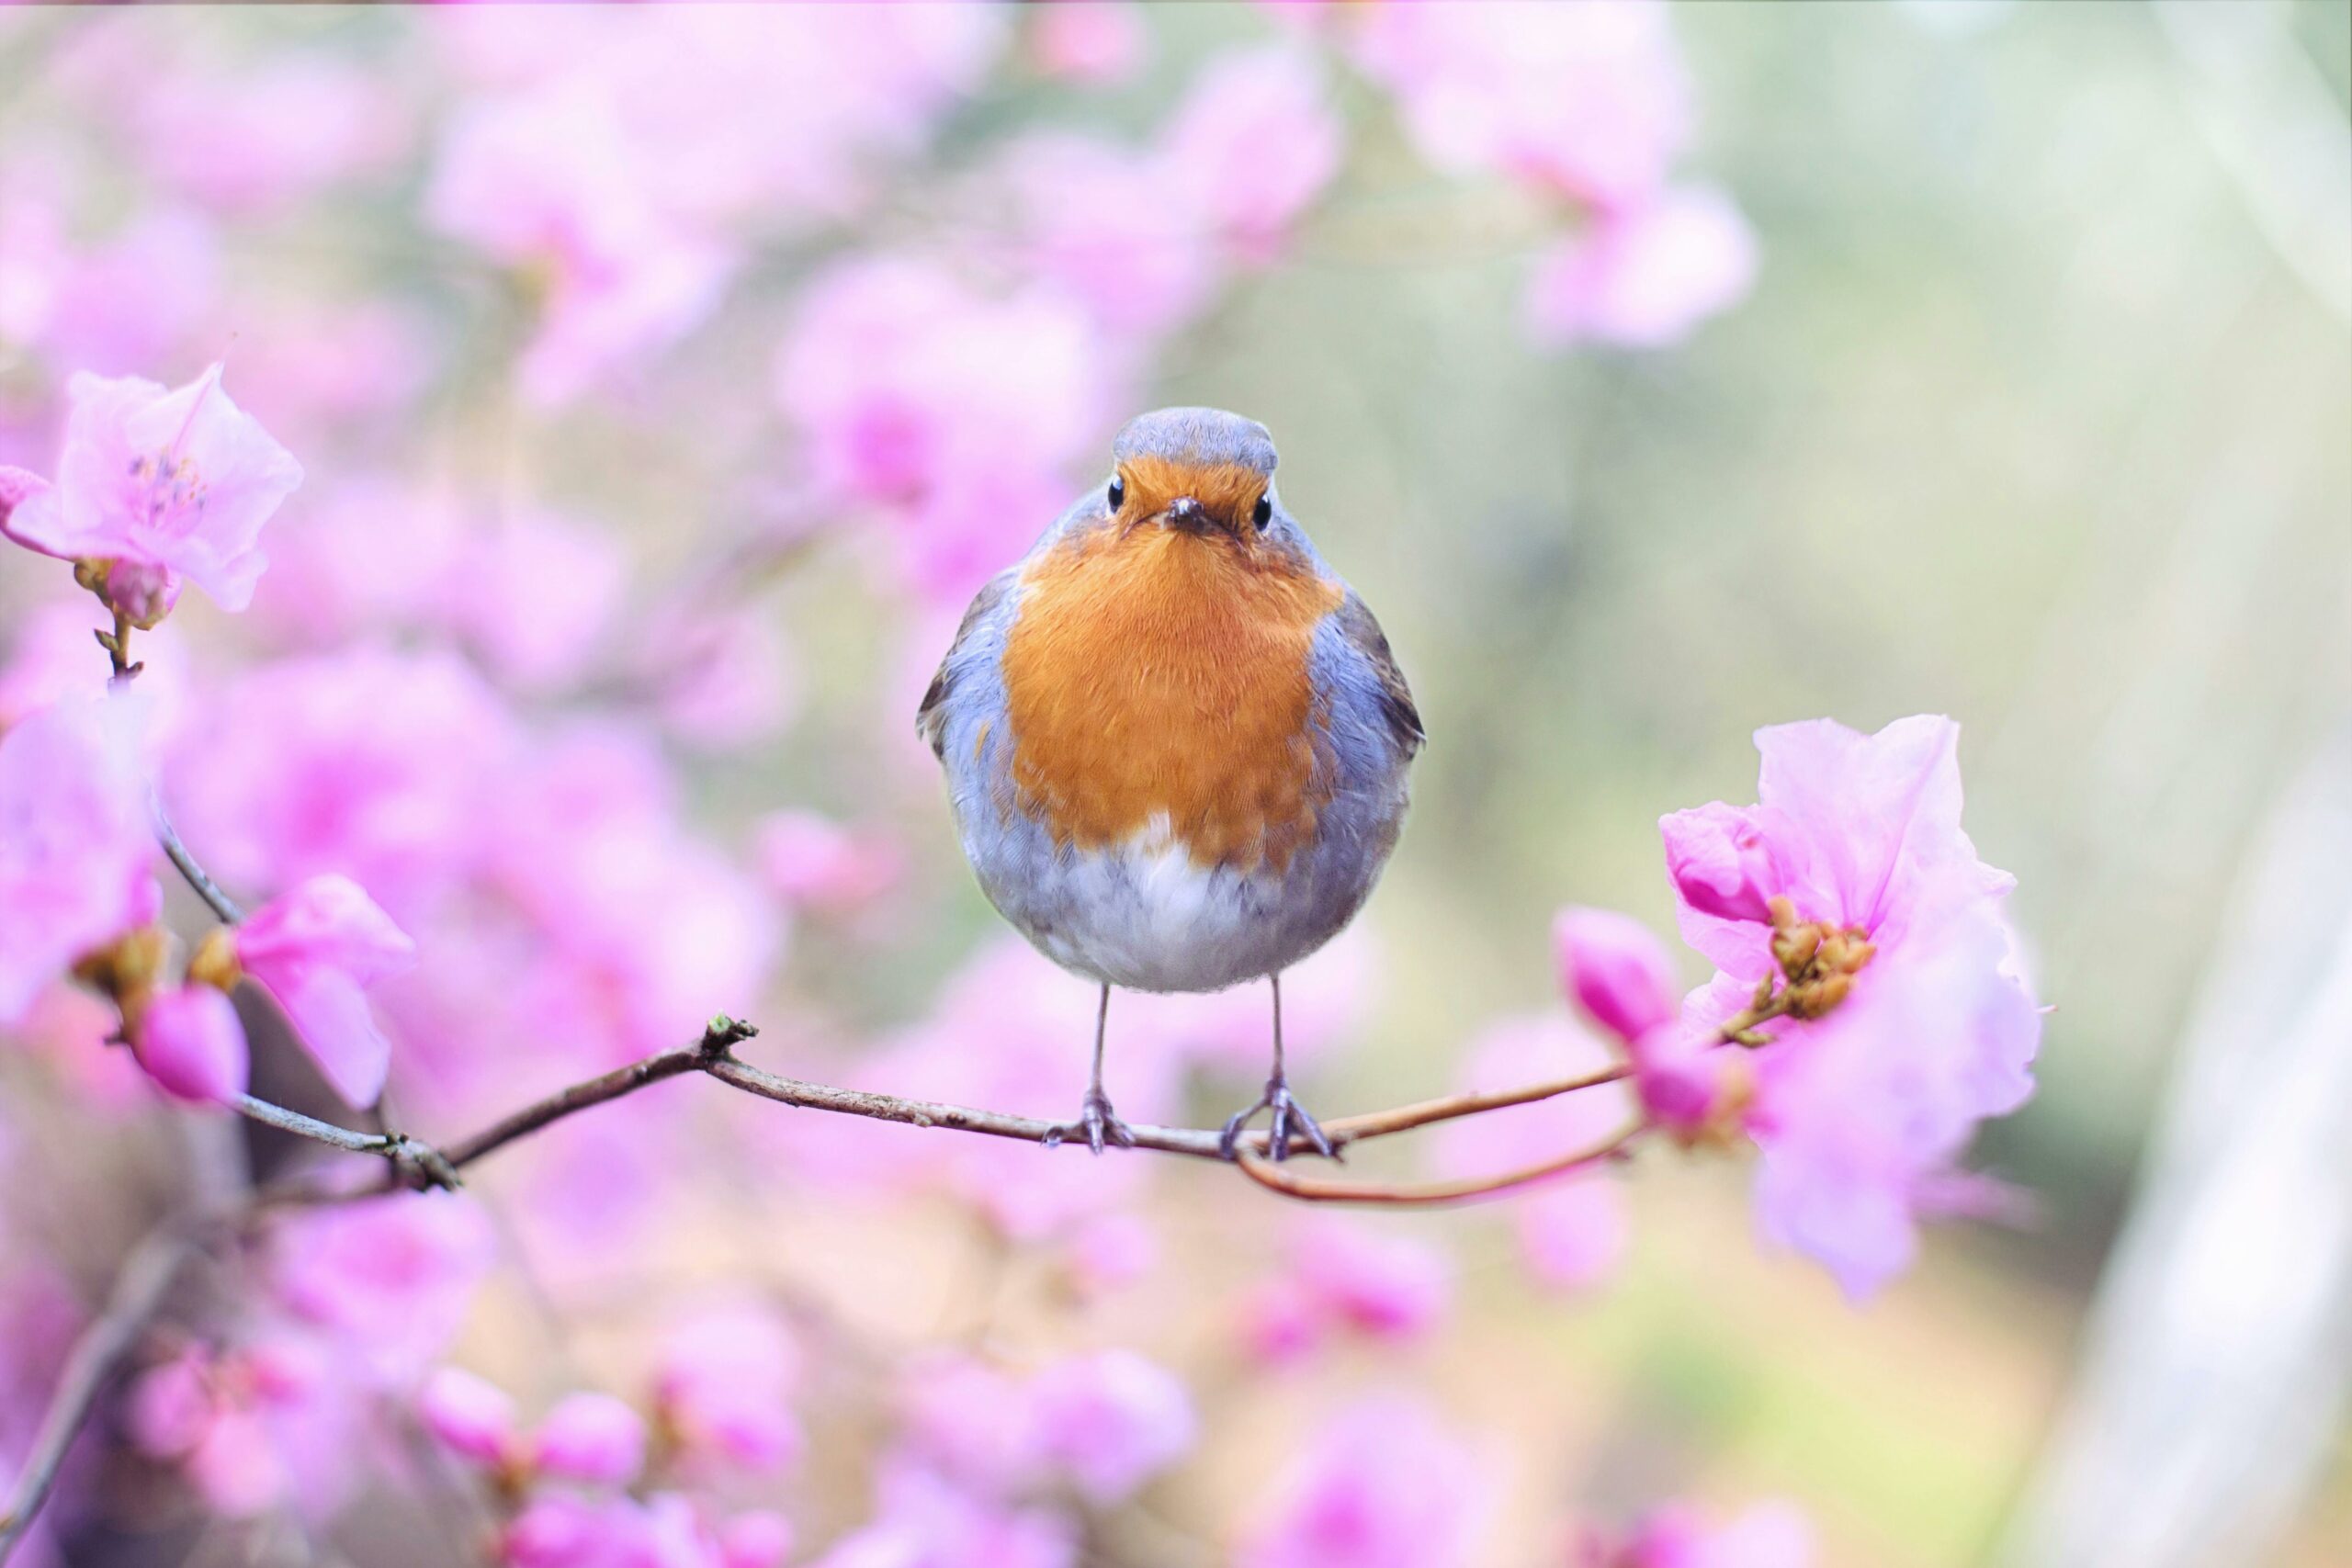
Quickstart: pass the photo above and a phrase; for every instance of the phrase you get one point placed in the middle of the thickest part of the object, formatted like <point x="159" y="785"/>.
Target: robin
<point x="1175" y="741"/>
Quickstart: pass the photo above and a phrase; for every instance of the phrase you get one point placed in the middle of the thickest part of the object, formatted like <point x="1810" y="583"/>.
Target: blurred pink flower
<point x="390" y="1279"/>
<point x="1614" y="969"/>
<point x="75" y="840"/>
<point x="383" y="767"/>
<point x="1863" y="1111"/>
<point x="1383" y="1484"/>
<point x="1388" y="1285"/>
<point x="814" y="862"/>
<point x="471" y="1417"/>
<point x="254" y="1427"/>
<point x="1588" y="100"/>
<point x="131" y="298"/>
<point x="723" y="1387"/>
<point x="261" y="139"/>
<point x="1573" y="1230"/>
<point x="548" y="184"/>
<point x="649" y="925"/>
<point x="1141" y="267"/>
<point x="1093" y="41"/>
<point x="921" y="1520"/>
<point x="1644" y="276"/>
<point x="1111" y="1421"/>
<point x="1254" y="141"/>
<point x="536" y="594"/>
<point x="1769" y="1535"/>
<point x="17" y="485"/>
<point x="189" y="1041"/>
<point x="593" y="1438"/>
<point x="754" y="1540"/>
<point x="726" y="680"/>
<point x="162" y="485"/>
<point x="316" y="949"/>
<point x="953" y="412"/>
<point x="775" y="115"/>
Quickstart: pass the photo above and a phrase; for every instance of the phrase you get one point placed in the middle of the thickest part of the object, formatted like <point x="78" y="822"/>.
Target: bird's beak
<point x="1188" y="514"/>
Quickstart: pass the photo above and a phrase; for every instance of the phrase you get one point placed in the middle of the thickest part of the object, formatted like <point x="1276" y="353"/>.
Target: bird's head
<point x="1199" y="471"/>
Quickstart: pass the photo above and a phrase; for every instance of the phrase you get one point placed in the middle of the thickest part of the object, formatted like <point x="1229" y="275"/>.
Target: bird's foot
<point x="1290" y="1120"/>
<point x="1096" y="1123"/>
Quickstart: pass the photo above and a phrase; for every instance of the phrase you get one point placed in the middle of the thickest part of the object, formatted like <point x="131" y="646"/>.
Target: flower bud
<point x="192" y="1045"/>
<point x="473" y="1420"/>
<point x="1615" y="969"/>
<point x="593" y="1438"/>
<point x="1718" y="862"/>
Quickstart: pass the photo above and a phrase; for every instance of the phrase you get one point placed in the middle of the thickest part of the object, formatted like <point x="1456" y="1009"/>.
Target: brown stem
<point x="1430" y="1194"/>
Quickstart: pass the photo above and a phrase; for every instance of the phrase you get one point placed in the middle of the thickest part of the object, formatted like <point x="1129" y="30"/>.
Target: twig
<point x="196" y="876"/>
<point x="138" y="1292"/>
<point x="1433" y="1194"/>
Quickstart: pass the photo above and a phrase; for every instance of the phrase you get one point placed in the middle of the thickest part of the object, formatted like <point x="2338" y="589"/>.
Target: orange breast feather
<point x="1151" y="671"/>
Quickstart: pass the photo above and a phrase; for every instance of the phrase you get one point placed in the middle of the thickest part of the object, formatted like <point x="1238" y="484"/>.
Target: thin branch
<point x="1433" y="1194"/>
<point x="139" y="1291"/>
<point x="198" y="877"/>
<point x="429" y="1167"/>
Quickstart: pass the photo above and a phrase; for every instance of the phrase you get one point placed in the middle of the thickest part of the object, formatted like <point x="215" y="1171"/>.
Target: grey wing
<point x="1362" y="633"/>
<point x="931" y="719"/>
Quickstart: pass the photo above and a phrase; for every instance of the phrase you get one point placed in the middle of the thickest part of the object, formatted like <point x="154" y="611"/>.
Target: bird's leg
<point x="1289" y="1116"/>
<point x="1095" y="1120"/>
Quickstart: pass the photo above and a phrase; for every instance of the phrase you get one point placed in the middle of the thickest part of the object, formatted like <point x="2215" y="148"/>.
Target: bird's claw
<point x="1096" y="1123"/>
<point x="1289" y="1120"/>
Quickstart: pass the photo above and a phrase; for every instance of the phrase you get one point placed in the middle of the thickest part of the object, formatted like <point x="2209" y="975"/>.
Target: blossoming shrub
<point x="480" y="796"/>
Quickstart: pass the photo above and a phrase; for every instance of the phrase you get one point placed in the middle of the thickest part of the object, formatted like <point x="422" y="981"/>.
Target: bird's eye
<point x="1118" y="493"/>
<point x="1263" y="512"/>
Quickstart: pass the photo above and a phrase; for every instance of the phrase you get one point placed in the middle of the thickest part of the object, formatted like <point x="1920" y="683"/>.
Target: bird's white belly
<point x="1144" y="914"/>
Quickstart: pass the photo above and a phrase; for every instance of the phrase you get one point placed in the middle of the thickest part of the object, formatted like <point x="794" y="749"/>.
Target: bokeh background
<point x="2033" y="412"/>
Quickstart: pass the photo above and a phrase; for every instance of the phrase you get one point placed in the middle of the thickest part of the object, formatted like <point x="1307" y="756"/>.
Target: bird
<point x="1175" y="742"/>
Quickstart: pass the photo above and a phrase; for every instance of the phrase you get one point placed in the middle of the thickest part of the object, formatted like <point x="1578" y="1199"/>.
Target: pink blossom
<point x="1588" y="100"/>
<point x="1644" y="276"/>
<point x="1253" y="144"/>
<point x="593" y="1438"/>
<point x="1386" y="1284"/>
<point x="921" y="1520"/>
<point x="535" y="593"/>
<point x="1768" y="1535"/>
<point x="161" y="485"/>
<point x="316" y="949"/>
<point x="1614" y="969"/>
<point x="815" y="862"/>
<point x="391" y="1278"/>
<point x="723" y="1387"/>
<point x="375" y="765"/>
<point x="1383" y="1484"/>
<point x="1140" y="268"/>
<point x="252" y="1428"/>
<point x="726" y="681"/>
<point x="470" y="1416"/>
<point x="1862" y="1109"/>
<point x="1091" y="41"/>
<point x="227" y="139"/>
<point x="953" y="412"/>
<point x="1111" y="1422"/>
<point x="76" y="841"/>
<point x="548" y="182"/>
<point x="1573" y="1230"/>
<point x="129" y="300"/>
<point x="755" y="1539"/>
<point x="783" y="115"/>
<point x="189" y="1041"/>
